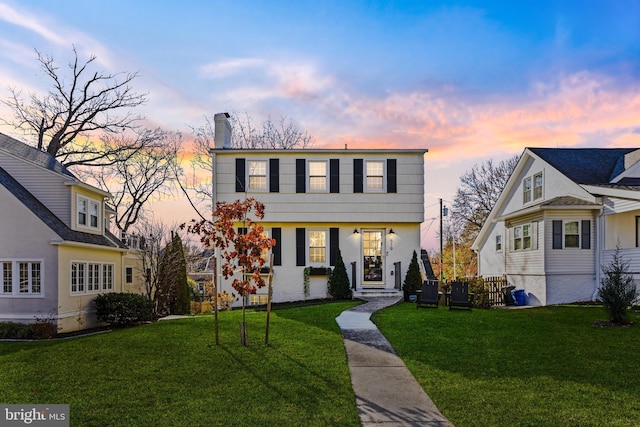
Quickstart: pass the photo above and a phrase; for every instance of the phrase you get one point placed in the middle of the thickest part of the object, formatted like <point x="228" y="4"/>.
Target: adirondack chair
<point x="460" y="296"/>
<point x="429" y="297"/>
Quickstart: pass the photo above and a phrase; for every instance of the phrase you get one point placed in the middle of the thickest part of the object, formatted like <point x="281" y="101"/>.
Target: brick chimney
<point x="222" y="130"/>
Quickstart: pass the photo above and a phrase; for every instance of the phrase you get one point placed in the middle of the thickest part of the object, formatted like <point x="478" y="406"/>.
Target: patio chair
<point x="429" y="297"/>
<point x="460" y="296"/>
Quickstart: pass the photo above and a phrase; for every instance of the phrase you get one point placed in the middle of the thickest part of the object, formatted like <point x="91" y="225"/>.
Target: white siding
<point x="406" y="205"/>
<point x="45" y="185"/>
<point x="526" y="261"/>
<point x="491" y="262"/>
<point x="569" y="260"/>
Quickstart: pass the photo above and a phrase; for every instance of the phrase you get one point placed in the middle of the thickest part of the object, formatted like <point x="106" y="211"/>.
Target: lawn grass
<point x="170" y="373"/>
<point x="546" y="366"/>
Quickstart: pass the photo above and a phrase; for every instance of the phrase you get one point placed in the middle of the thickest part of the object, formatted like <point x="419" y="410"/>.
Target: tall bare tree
<point x="478" y="192"/>
<point x="140" y="177"/>
<point x="78" y="103"/>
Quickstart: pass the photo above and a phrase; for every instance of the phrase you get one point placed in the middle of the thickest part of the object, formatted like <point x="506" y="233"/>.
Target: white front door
<point x="373" y="258"/>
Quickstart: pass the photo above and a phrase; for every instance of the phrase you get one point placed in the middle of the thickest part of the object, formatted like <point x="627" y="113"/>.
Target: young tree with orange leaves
<point x="241" y="250"/>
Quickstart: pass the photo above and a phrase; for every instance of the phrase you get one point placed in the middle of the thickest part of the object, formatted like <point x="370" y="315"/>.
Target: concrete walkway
<point x="386" y="392"/>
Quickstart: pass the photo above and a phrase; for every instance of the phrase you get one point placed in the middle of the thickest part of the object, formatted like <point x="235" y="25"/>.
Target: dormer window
<point x="88" y="213"/>
<point x="532" y="188"/>
<point x="526" y="190"/>
<point x="537" y="186"/>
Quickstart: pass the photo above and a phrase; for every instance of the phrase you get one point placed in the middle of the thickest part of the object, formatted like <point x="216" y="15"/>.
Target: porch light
<point x="391" y="233"/>
<point x="355" y="231"/>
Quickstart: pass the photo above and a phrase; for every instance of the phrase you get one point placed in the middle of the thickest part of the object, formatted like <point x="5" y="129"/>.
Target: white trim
<point x="249" y="175"/>
<point x="99" y="214"/>
<point x="325" y="263"/>
<point x="15" y="278"/>
<point x="365" y="176"/>
<point x="85" y="283"/>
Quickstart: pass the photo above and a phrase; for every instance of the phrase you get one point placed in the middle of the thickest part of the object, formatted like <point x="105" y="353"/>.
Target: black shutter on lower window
<point x="358" y="175"/>
<point x="276" y="250"/>
<point x="334" y="245"/>
<point x="300" y="246"/>
<point x="391" y="176"/>
<point x="301" y="175"/>
<point x="586" y="234"/>
<point x="557" y="234"/>
<point x="274" y="175"/>
<point x="240" y="175"/>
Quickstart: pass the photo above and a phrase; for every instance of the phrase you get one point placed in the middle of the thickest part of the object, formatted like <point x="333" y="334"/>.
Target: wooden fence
<point x="487" y="290"/>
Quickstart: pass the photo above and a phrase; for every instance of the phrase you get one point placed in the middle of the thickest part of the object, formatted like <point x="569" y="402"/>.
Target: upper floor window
<point x="537" y="186"/>
<point x="21" y="278"/>
<point x="526" y="190"/>
<point x="532" y="188"/>
<point x="88" y="212"/>
<point x="317" y="175"/>
<point x="375" y="175"/>
<point x="257" y="174"/>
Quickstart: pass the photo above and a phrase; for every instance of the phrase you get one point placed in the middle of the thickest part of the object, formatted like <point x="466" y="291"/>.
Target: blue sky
<point x="469" y="80"/>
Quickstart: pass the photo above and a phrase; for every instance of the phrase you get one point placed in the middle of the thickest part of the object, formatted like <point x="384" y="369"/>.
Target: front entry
<point x="373" y="259"/>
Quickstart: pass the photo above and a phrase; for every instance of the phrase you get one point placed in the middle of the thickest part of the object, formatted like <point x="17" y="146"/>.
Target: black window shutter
<point x="240" y="175"/>
<point x="276" y="250"/>
<point x="557" y="234"/>
<point x="586" y="234"/>
<point x="334" y="175"/>
<point x="391" y="176"/>
<point x="274" y="175"/>
<point x="300" y="176"/>
<point x="334" y="244"/>
<point x="357" y="175"/>
<point x="300" y="246"/>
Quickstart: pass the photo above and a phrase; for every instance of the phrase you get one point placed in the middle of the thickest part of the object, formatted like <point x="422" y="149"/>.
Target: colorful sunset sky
<point x="468" y="80"/>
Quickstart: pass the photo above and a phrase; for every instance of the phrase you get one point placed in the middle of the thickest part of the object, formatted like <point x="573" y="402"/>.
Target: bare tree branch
<point x="77" y="108"/>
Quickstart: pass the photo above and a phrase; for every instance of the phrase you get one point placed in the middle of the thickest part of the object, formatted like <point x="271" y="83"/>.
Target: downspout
<point x="599" y="251"/>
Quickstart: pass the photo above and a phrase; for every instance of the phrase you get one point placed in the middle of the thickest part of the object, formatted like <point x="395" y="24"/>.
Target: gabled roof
<point x="587" y="166"/>
<point x="52" y="221"/>
<point x="33" y="155"/>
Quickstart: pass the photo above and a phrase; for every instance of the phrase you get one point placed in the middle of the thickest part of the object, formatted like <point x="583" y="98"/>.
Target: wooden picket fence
<point x="487" y="290"/>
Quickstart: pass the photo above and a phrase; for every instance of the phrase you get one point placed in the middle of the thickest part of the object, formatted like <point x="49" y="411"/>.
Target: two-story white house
<point x="368" y="203"/>
<point x="56" y="253"/>
<point x="560" y="218"/>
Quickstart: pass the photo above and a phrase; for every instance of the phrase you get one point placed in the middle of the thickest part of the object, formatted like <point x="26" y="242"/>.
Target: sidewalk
<point x="386" y="392"/>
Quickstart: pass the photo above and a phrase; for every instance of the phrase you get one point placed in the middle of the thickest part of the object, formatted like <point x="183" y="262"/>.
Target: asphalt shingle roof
<point x="588" y="166"/>
<point x="32" y="154"/>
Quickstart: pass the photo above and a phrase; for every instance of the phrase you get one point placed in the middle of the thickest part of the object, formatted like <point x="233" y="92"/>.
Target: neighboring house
<point x="56" y="253"/>
<point x="560" y="218"/>
<point x="368" y="203"/>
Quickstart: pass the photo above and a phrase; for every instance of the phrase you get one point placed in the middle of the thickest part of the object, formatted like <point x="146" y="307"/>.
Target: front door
<point x="373" y="259"/>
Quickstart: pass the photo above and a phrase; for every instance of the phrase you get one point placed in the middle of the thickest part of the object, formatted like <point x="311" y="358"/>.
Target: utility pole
<point x="441" y="245"/>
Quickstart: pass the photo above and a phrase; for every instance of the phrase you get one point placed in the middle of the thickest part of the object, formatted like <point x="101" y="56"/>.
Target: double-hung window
<point x="571" y="234"/>
<point x="526" y="190"/>
<point x="375" y="175"/>
<point x="317" y="175"/>
<point x="317" y="246"/>
<point x="21" y="278"/>
<point x="499" y="243"/>
<point x="257" y="175"/>
<point x="537" y="186"/>
<point x="522" y="237"/>
<point x="88" y="213"/>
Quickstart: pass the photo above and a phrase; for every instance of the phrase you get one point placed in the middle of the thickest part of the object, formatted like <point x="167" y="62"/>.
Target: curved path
<point x="387" y="394"/>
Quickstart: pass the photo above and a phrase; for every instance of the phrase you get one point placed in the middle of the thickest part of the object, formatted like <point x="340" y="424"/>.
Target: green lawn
<point x="544" y="366"/>
<point x="535" y="367"/>
<point x="170" y="373"/>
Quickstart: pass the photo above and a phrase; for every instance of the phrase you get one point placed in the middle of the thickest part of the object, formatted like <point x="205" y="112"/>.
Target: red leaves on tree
<point x="242" y="252"/>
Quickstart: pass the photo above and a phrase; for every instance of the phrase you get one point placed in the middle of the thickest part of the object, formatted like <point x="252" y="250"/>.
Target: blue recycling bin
<point x="519" y="297"/>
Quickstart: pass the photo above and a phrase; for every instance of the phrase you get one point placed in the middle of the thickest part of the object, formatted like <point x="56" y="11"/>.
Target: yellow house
<point x="56" y="252"/>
